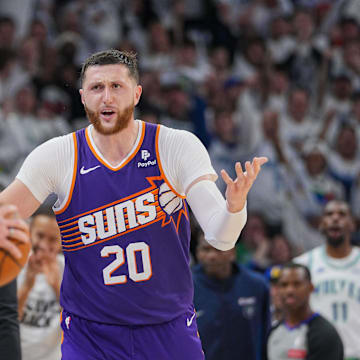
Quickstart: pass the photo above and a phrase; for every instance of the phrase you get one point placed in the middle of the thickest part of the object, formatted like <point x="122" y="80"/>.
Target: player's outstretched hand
<point x="237" y="190"/>
<point x="12" y="227"/>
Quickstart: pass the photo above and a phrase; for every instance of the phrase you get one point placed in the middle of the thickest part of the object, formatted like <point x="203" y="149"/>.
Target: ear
<point x="311" y="287"/>
<point x="81" y="91"/>
<point x="137" y="94"/>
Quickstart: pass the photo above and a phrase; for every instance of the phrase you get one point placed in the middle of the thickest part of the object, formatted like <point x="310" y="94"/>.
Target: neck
<point x="223" y="273"/>
<point x="296" y="317"/>
<point x="340" y="251"/>
<point x="116" y="147"/>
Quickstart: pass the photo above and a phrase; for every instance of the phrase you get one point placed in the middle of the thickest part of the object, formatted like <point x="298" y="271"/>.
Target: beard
<point x="122" y="120"/>
<point x="335" y="241"/>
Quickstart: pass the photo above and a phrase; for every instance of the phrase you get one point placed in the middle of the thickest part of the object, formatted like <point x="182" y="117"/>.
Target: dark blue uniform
<point x="233" y="314"/>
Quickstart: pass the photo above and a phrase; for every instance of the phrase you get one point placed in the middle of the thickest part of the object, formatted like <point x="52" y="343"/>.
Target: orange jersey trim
<point x="73" y="177"/>
<point x="62" y="333"/>
<point x="160" y="166"/>
<point x="129" y="158"/>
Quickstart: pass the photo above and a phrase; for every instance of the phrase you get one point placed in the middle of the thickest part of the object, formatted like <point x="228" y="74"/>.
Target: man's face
<point x="294" y="289"/>
<point x="337" y="223"/>
<point x="45" y="238"/>
<point x="216" y="263"/>
<point x="109" y="95"/>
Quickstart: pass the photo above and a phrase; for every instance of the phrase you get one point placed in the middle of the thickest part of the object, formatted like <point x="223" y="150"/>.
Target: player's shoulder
<point x="55" y="143"/>
<point x="167" y="134"/>
<point x="308" y="257"/>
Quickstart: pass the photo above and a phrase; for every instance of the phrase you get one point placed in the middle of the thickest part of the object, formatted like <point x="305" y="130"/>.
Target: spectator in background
<point x="296" y="124"/>
<point x="344" y="163"/>
<point x="278" y="90"/>
<point x="303" y="334"/>
<point x="277" y="308"/>
<point x="335" y="271"/>
<point x="39" y="291"/>
<point x="253" y="247"/>
<point x="225" y="147"/>
<point x="306" y="57"/>
<point x="232" y="304"/>
<point x="7" y="32"/>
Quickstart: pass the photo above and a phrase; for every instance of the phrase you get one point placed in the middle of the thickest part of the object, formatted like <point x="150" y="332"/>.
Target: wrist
<point x="236" y="208"/>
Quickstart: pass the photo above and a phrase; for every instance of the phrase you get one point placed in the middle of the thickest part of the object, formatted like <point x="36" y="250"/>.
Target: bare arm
<point x="19" y="195"/>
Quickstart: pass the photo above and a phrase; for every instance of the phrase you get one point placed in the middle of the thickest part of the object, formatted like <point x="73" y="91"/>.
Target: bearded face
<point x="122" y="120"/>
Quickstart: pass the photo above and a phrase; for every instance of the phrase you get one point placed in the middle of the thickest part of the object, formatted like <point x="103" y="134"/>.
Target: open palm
<point x="237" y="190"/>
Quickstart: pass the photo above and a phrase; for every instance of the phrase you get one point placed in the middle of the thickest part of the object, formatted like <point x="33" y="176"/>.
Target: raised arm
<point x="222" y="221"/>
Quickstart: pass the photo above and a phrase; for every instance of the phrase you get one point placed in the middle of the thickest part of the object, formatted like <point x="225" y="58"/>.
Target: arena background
<point x="279" y="78"/>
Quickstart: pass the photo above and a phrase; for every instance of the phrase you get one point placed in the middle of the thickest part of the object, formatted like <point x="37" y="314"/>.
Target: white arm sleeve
<point x="185" y="159"/>
<point x="221" y="227"/>
<point x="48" y="168"/>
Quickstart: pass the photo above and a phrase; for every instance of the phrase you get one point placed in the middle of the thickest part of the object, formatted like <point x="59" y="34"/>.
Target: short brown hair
<point x="112" y="56"/>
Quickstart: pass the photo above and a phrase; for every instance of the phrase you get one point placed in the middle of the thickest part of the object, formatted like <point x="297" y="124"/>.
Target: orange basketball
<point x="11" y="266"/>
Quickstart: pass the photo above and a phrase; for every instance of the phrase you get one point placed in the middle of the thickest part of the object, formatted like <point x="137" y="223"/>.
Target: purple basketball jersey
<point x="125" y="236"/>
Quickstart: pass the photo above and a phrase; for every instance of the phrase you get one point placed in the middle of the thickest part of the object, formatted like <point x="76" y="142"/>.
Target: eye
<point x="95" y="87"/>
<point x="116" y="86"/>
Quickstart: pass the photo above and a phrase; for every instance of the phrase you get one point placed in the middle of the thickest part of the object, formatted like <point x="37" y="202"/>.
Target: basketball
<point x="169" y="202"/>
<point x="9" y="265"/>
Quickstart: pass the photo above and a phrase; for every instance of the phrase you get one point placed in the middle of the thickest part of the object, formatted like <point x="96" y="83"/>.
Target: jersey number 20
<point x="134" y="273"/>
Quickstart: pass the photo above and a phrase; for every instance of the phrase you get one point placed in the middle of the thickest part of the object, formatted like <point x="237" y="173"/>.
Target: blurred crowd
<point x="279" y="78"/>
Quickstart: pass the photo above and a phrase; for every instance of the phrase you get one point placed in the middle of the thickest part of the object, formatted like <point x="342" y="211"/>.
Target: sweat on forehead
<point x="112" y="57"/>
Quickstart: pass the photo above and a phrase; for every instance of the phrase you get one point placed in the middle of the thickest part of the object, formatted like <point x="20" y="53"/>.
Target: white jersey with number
<point x="337" y="293"/>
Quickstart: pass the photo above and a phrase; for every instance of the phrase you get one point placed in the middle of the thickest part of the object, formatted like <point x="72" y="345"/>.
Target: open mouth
<point x="334" y="231"/>
<point x="107" y="113"/>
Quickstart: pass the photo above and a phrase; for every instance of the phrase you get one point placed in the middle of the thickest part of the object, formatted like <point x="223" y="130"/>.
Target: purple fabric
<point x="168" y="292"/>
<point x="89" y="340"/>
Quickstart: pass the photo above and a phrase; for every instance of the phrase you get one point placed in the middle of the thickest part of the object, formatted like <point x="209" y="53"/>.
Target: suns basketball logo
<point x="168" y="201"/>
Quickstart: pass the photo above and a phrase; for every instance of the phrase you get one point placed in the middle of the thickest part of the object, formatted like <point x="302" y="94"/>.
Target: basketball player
<point x="121" y="185"/>
<point x="17" y="229"/>
<point x="335" y="270"/>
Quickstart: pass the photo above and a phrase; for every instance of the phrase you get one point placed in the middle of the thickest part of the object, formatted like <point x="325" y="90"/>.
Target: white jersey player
<point x="335" y="272"/>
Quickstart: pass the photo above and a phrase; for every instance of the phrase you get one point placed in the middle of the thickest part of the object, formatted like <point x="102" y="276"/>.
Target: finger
<point x="262" y="160"/>
<point x="18" y="224"/>
<point x="11" y="248"/>
<point x="239" y="171"/>
<point x="249" y="169"/>
<point x="18" y="235"/>
<point x="7" y="211"/>
<point x="256" y="166"/>
<point x="18" y="229"/>
<point x="225" y="176"/>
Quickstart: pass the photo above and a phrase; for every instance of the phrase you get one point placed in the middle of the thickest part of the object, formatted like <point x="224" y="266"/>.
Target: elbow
<point x="219" y="244"/>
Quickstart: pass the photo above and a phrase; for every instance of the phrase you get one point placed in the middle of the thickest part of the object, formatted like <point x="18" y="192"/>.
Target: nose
<point x="289" y="290"/>
<point x="107" y="95"/>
